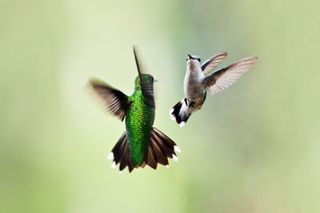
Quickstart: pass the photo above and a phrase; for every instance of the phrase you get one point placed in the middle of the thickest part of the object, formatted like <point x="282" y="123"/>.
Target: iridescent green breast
<point x="139" y="121"/>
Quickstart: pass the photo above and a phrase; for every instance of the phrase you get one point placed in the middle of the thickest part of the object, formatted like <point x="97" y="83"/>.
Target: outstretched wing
<point x="115" y="101"/>
<point x="225" y="77"/>
<point x="213" y="62"/>
<point x="147" y="85"/>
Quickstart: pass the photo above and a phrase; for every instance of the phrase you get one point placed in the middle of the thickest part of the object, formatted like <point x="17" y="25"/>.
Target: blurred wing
<point x="225" y="77"/>
<point x="147" y="91"/>
<point x="147" y="86"/>
<point x="213" y="62"/>
<point x="115" y="101"/>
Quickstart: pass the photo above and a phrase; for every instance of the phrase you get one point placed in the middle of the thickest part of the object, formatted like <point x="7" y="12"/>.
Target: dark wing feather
<point x="115" y="101"/>
<point x="147" y="91"/>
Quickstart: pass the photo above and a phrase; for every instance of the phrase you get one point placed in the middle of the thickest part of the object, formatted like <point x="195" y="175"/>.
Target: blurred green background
<point x="252" y="148"/>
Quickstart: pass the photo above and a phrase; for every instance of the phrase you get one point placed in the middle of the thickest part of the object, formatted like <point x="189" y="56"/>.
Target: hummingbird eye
<point x="198" y="59"/>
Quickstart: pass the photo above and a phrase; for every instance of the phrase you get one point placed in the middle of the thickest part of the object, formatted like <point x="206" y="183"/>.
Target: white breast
<point x="193" y="80"/>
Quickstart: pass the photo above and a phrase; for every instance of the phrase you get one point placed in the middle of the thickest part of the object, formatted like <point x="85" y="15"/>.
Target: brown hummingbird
<point x="200" y="78"/>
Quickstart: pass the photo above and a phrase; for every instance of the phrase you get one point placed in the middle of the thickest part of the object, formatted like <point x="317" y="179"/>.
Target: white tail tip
<point x="182" y="123"/>
<point x="110" y="156"/>
<point x="177" y="149"/>
<point x="113" y="165"/>
<point x="174" y="157"/>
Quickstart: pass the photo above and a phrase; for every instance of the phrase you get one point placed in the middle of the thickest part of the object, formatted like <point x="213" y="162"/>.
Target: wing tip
<point x="92" y="81"/>
<point x="224" y="53"/>
<point x="249" y="59"/>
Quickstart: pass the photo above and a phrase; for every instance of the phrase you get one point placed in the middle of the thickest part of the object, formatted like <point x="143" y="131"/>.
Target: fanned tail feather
<point x="160" y="148"/>
<point x="180" y="112"/>
<point x="121" y="153"/>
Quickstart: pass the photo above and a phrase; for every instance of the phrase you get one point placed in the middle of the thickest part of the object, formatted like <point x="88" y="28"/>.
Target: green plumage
<point x="141" y="143"/>
<point x="139" y="121"/>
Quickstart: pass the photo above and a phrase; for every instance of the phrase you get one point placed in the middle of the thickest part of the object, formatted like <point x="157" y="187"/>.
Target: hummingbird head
<point x="193" y="57"/>
<point x="148" y="79"/>
<point x="193" y="61"/>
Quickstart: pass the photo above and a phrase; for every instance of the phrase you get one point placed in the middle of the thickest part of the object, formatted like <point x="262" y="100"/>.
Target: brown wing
<point x="114" y="100"/>
<point x="225" y="77"/>
<point x="213" y="62"/>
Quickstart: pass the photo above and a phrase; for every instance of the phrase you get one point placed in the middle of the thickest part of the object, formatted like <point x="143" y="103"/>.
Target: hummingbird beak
<point x="189" y="56"/>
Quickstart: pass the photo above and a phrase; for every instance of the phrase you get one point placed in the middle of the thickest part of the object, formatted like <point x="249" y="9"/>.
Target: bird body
<point x="141" y="144"/>
<point x="199" y="80"/>
<point x="139" y="120"/>
<point x="194" y="89"/>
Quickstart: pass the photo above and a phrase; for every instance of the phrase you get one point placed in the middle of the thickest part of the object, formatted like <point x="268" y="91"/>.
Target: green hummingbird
<point x="141" y="144"/>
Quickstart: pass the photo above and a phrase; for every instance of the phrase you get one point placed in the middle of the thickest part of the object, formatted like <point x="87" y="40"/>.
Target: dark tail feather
<point x="161" y="148"/>
<point x="121" y="154"/>
<point x="180" y="112"/>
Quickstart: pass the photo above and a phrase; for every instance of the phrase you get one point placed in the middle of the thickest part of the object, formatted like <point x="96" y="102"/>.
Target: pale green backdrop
<point x="253" y="148"/>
